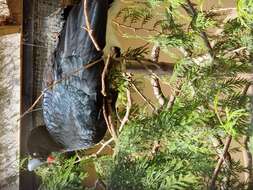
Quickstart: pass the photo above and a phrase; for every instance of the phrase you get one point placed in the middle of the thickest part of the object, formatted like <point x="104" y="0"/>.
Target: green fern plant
<point x="186" y="143"/>
<point x="64" y="174"/>
<point x="178" y="148"/>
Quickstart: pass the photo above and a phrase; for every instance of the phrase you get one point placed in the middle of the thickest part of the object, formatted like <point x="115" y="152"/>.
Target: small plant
<point x="64" y="174"/>
<point x="186" y="142"/>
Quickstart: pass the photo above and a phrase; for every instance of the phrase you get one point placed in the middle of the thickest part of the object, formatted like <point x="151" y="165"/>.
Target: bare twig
<point x="56" y="82"/>
<point x="99" y="184"/>
<point x="34" y="45"/>
<point x="111" y="122"/>
<point x="142" y="96"/>
<point x="218" y="143"/>
<point x="155" y="54"/>
<point x="28" y="112"/>
<point x="172" y="98"/>
<point x="152" y="69"/>
<point x="117" y="114"/>
<point x="106" y="119"/>
<point x="34" y="110"/>
<point x="134" y="64"/>
<point x="88" y="27"/>
<point x="103" y="146"/>
<point x="32" y="106"/>
<point x="223" y="9"/>
<point x="237" y="50"/>
<point x="128" y="108"/>
<point x="104" y="73"/>
<point x="157" y="89"/>
<point x="78" y="156"/>
<point x="154" y="79"/>
<point x="189" y="8"/>
<point x="171" y="101"/>
<point x="107" y="107"/>
<point x="94" y="155"/>
<point x="155" y="148"/>
<point x="142" y="64"/>
<point x="68" y="75"/>
<point x="107" y="112"/>
<point x="134" y="29"/>
<point x="247" y="156"/>
<point x="220" y="162"/>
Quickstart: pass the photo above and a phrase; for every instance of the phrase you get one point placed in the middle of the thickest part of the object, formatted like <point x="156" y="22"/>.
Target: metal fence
<point x="42" y="21"/>
<point x="47" y="25"/>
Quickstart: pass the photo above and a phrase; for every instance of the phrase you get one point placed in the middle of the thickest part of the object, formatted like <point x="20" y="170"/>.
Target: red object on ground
<point x="50" y="159"/>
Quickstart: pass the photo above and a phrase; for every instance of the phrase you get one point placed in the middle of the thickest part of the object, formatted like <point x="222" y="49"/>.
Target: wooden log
<point x="9" y="29"/>
<point x="15" y="10"/>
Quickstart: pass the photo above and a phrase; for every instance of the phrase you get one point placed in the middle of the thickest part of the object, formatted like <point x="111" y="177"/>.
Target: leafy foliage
<point x="176" y="148"/>
<point x="245" y="10"/>
<point x="64" y="174"/>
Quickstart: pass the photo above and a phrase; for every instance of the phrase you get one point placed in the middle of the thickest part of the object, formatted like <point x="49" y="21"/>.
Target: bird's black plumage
<point x="72" y="108"/>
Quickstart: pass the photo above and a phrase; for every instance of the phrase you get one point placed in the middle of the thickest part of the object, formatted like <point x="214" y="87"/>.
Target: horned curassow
<point x="72" y="108"/>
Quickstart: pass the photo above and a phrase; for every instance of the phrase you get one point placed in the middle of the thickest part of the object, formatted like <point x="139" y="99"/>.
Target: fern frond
<point x="235" y="82"/>
<point x="134" y="15"/>
<point x="136" y="52"/>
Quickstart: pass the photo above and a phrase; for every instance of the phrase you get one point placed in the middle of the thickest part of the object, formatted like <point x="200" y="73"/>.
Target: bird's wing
<point x="71" y="108"/>
<point x="72" y="117"/>
<point x="75" y="39"/>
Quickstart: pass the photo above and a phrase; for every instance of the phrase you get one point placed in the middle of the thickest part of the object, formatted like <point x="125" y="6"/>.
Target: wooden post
<point x="9" y="29"/>
<point x="27" y="180"/>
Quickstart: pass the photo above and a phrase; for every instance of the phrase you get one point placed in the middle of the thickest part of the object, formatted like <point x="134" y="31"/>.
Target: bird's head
<point x="40" y="145"/>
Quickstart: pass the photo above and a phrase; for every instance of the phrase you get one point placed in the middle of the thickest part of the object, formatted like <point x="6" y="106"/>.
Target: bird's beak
<point x="33" y="164"/>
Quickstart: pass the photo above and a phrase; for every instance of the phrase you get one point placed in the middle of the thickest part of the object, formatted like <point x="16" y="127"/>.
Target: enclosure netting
<point x="47" y="25"/>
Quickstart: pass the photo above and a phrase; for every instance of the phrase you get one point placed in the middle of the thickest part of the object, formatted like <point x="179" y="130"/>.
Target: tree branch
<point x="225" y="153"/>
<point x="104" y="73"/>
<point x="32" y="106"/>
<point x="103" y="146"/>
<point x="247" y="156"/>
<point x="189" y="8"/>
<point x="172" y="98"/>
<point x="99" y="184"/>
<point x="143" y="65"/>
<point x="128" y="108"/>
<point x="220" y="162"/>
<point x="154" y="79"/>
<point x="107" y="107"/>
<point x="142" y="96"/>
<point x="134" y="29"/>
<point x="107" y="112"/>
<point x="88" y="27"/>
<point x="217" y="143"/>
<point x="223" y="9"/>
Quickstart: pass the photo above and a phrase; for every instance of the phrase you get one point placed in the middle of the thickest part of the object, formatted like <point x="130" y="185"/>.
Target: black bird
<point x="72" y="108"/>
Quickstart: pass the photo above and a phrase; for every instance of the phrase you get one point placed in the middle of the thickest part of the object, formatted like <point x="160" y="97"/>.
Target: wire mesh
<point x="47" y="25"/>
